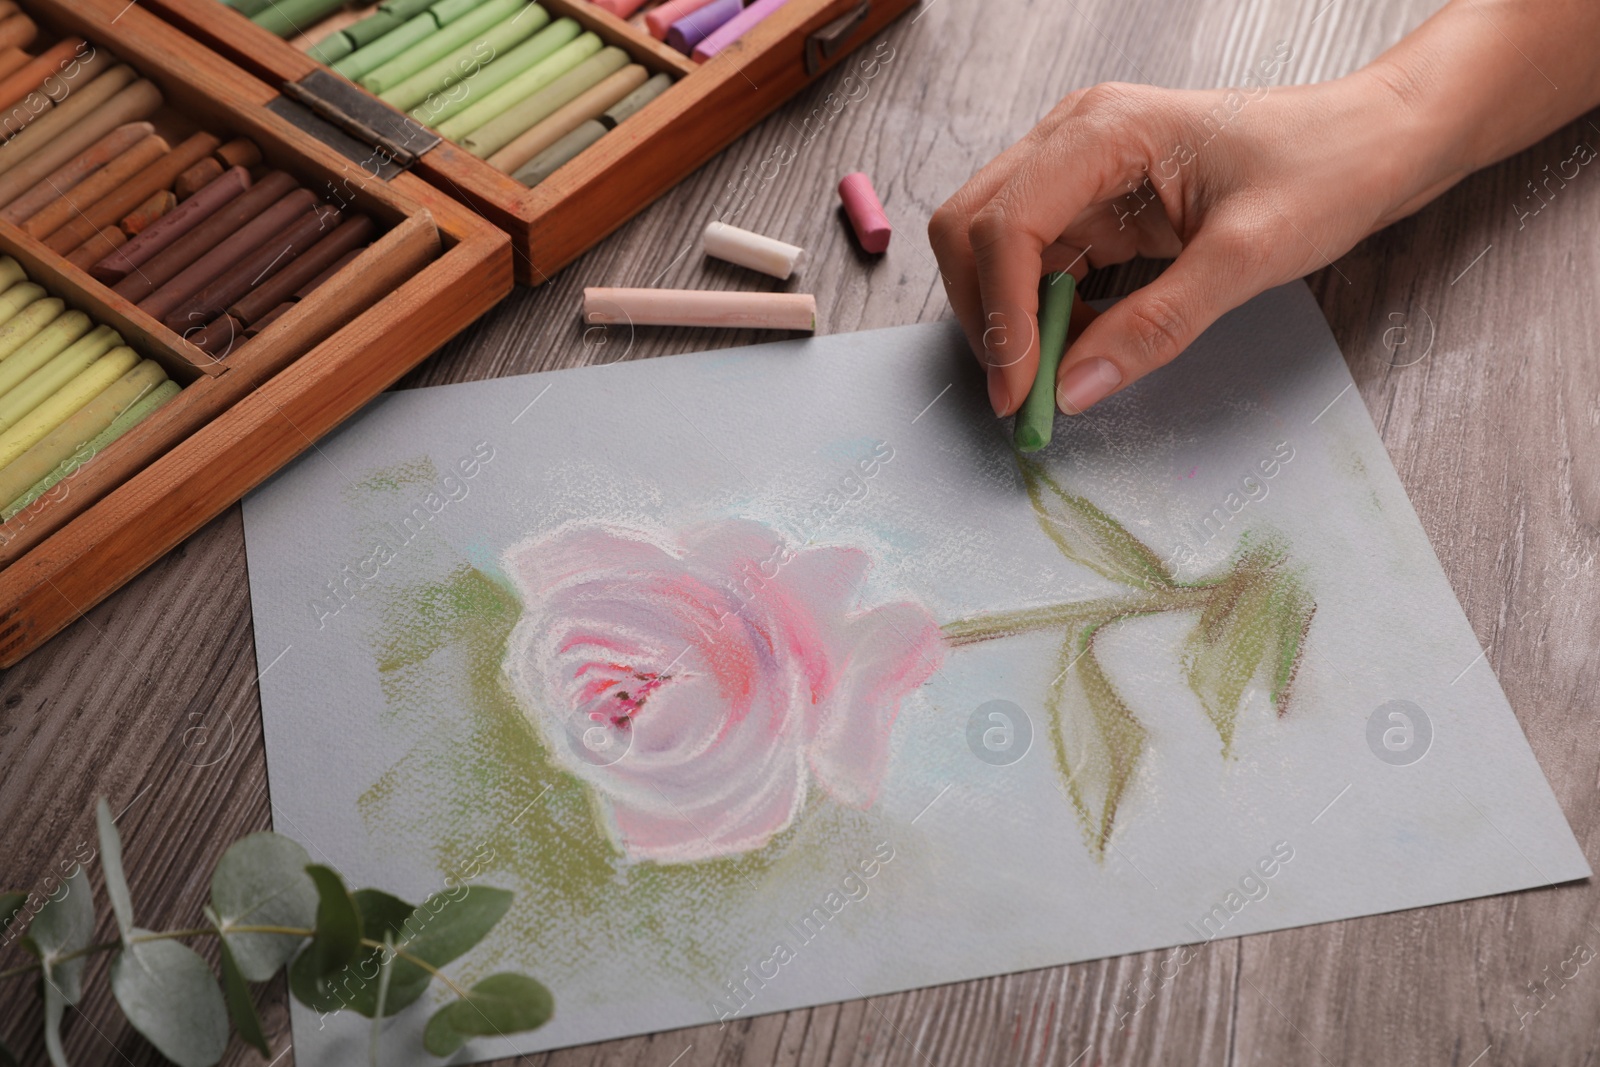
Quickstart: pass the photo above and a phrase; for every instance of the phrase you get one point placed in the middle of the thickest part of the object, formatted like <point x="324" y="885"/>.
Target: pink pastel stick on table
<point x="658" y="20"/>
<point x="861" y="203"/>
<point x="735" y="28"/>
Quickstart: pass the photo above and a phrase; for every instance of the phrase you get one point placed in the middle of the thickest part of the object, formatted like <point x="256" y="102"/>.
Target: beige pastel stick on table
<point x="700" y="307"/>
<point x="587" y="105"/>
<point x="75" y="170"/>
<point x="756" y="251"/>
<point x="136" y="101"/>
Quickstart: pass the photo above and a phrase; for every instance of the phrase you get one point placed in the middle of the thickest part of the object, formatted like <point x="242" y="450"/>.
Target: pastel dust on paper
<point x="702" y="679"/>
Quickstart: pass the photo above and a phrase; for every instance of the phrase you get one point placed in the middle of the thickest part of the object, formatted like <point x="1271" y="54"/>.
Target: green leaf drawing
<point x="111" y="867"/>
<point x="1258" y="615"/>
<point x="241" y="1008"/>
<point x="1253" y="621"/>
<point x="262" y="881"/>
<point x="10" y="904"/>
<point x="500" y="1004"/>
<point x="1097" y="739"/>
<point x="170" y="996"/>
<point x="1088" y="536"/>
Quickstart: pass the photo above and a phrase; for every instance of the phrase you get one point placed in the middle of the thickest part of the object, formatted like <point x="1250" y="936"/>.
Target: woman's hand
<point x="1247" y="188"/>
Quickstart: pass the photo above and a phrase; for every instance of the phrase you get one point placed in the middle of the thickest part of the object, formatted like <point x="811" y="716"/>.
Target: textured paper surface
<point x="928" y="840"/>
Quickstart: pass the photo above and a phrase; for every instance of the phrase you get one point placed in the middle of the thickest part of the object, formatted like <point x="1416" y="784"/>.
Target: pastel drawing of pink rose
<point x="700" y="686"/>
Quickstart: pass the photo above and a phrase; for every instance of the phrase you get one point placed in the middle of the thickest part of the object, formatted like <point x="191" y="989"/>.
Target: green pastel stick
<point x="85" y="452"/>
<point x="457" y="98"/>
<point x="371" y="56"/>
<point x="563" y="151"/>
<point x="637" y="99"/>
<point x="389" y="17"/>
<point x="447" y="11"/>
<point x="519" y="87"/>
<point x="286" y="17"/>
<point x="1036" y="418"/>
<point x="461" y="63"/>
<point x="505" y="127"/>
<point x="248" y="8"/>
<point x="436" y="46"/>
<point x="331" y="48"/>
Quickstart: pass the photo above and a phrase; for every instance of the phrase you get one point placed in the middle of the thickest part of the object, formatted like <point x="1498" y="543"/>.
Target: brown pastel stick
<point x="239" y="153"/>
<point x="22" y="115"/>
<point x="101" y="183"/>
<point x="136" y="101"/>
<point x="12" y="60"/>
<point x="31" y="75"/>
<point x="230" y="250"/>
<point x="218" y="337"/>
<point x="340" y="264"/>
<point x="17" y="31"/>
<point x="268" y="319"/>
<point x="167" y="264"/>
<point x="110" y="208"/>
<point x="75" y="170"/>
<point x="197" y="178"/>
<point x="145" y="215"/>
<point x="351" y="234"/>
<point x="184" y="218"/>
<point x="278" y="251"/>
<point x="97" y="247"/>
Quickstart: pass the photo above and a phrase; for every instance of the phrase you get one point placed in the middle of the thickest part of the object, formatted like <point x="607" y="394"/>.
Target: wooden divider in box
<point x="614" y="179"/>
<point x="434" y="268"/>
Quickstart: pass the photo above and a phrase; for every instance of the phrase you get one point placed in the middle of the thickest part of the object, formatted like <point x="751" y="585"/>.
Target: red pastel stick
<point x="861" y="203"/>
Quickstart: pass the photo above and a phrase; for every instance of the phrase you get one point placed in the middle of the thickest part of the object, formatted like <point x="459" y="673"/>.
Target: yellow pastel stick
<point x="74" y="432"/>
<point x="18" y="297"/>
<point x="72" y="361"/>
<point x="27" y="323"/>
<point x="11" y="273"/>
<point x="65" y="401"/>
<point x="40" y="349"/>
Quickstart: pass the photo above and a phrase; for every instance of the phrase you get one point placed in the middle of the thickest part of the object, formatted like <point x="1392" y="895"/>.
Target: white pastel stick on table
<point x="756" y="251"/>
<point x="700" y="307"/>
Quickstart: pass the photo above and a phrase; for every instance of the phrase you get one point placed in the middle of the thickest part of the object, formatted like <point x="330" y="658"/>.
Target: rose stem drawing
<point x="1253" y="621"/>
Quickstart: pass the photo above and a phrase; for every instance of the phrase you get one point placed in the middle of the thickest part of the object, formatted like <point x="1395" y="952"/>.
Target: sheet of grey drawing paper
<point x="763" y="677"/>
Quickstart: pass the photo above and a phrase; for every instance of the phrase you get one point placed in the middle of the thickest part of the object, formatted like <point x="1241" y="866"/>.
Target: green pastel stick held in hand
<point x="1036" y="418"/>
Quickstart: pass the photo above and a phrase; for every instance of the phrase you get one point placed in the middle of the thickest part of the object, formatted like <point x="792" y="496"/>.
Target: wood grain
<point x="152" y="698"/>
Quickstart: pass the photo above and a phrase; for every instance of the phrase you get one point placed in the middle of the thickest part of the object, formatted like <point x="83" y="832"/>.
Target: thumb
<point x="1150" y="327"/>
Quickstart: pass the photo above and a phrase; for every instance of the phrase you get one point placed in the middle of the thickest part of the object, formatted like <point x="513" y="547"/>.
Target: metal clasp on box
<point x="829" y="41"/>
<point x="365" y="130"/>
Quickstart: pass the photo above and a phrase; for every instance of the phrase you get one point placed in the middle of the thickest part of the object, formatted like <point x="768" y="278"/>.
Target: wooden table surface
<point x="1472" y="340"/>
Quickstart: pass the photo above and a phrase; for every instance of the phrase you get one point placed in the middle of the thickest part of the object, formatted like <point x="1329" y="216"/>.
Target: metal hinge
<point x="354" y="123"/>
<point x="828" y="41"/>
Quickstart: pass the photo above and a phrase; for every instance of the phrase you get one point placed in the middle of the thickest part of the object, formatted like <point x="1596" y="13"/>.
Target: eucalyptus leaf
<point x="501" y="1004"/>
<point x="262" y="881"/>
<point x="55" y="1005"/>
<point x="440" y="929"/>
<point x="171" y="997"/>
<point x="323" y="976"/>
<point x="241" y="1008"/>
<point x="1097" y="739"/>
<point x="1088" y="536"/>
<point x="10" y="904"/>
<point x="111" y="867"/>
<point x="64" y="925"/>
<point x="386" y="968"/>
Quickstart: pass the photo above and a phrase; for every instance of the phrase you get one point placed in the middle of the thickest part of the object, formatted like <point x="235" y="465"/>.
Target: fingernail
<point x="1085" y="384"/>
<point x="999" y="395"/>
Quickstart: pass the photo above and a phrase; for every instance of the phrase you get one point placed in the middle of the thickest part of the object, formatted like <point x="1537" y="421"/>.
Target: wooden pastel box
<point x="433" y="267"/>
<point x="552" y="223"/>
